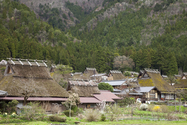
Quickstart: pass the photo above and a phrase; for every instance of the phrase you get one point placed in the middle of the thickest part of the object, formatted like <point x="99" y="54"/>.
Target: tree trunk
<point x="180" y="105"/>
<point x="175" y="104"/>
<point x="25" y="100"/>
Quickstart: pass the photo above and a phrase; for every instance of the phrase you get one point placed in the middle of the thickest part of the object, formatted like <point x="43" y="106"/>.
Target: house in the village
<point x="182" y="82"/>
<point x="152" y="78"/>
<point x="177" y="77"/>
<point x="107" y="96"/>
<point x="90" y="71"/>
<point x="30" y="78"/>
<point x="3" y="93"/>
<point x="128" y="89"/>
<point x="117" y="84"/>
<point x="85" y="90"/>
<point x="115" y="75"/>
<point x="164" y="76"/>
<point x="78" y="76"/>
<point x="99" y="77"/>
<point x="89" y="93"/>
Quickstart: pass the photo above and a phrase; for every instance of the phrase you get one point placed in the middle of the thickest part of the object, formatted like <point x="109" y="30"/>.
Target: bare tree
<point x="73" y="100"/>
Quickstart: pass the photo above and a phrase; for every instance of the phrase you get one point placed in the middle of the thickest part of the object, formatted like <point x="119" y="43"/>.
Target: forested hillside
<point x="24" y="36"/>
<point x="152" y="33"/>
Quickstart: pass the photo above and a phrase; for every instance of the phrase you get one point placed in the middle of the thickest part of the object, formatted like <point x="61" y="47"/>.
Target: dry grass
<point x="92" y="115"/>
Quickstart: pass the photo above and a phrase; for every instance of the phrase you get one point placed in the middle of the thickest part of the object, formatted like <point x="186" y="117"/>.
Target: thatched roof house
<point x="115" y="75"/>
<point x="152" y="77"/>
<point x="182" y="82"/>
<point x="31" y="76"/>
<point x="82" y="88"/>
<point x="90" y="71"/>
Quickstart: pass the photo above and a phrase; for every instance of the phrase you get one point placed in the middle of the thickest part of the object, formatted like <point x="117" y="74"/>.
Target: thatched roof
<point x="152" y="77"/>
<point x="90" y="71"/>
<point x="182" y="84"/>
<point x="2" y="67"/>
<point x="82" y="88"/>
<point x="35" y="79"/>
<point x="117" y="75"/>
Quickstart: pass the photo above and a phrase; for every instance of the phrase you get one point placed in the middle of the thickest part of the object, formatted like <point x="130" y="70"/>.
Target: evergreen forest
<point x="148" y="34"/>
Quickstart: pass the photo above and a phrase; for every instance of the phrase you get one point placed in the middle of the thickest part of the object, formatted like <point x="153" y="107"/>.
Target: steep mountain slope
<point x="58" y="14"/>
<point x="24" y="36"/>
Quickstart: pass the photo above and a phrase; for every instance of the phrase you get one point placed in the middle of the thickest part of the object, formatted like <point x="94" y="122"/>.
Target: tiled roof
<point x="106" y="96"/>
<point x="89" y="100"/>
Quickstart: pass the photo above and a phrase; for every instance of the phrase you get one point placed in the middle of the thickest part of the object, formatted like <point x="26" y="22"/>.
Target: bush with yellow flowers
<point x="157" y="108"/>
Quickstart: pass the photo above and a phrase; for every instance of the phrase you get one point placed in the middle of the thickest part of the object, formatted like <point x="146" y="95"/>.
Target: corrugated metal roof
<point x="144" y="89"/>
<point x="135" y="93"/>
<point x="116" y="90"/>
<point x="126" y="91"/>
<point x="89" y="100"/>
<point x="33" y="99"/>
<point x="116" y="82"/>
<point x="3" y="93"/>
<point x="106" y="95"/>
<point x="97" y="75"/>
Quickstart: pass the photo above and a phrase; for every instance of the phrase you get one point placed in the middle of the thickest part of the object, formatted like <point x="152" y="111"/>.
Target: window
<point x="152" y="94"/>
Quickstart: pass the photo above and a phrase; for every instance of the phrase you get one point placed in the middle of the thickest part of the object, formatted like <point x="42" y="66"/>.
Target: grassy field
<point x="124" y="122"/>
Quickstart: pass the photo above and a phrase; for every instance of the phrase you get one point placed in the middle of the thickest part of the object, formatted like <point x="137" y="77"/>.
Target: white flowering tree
<point x="73" y="100"/>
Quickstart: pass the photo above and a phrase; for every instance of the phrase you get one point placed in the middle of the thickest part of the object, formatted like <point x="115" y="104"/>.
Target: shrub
<point x="66" y="112"/>
<point x="11" y="106"/>
<point x="157" y="108"/>
<point x="126" y="101"/>
<point x="165" y="109"/>
<point x="150" y="107"/>
<point x="13" y="115"/>
<point x="112" y="112"/>
<point x="105" y="86"/>
<point x="103" y="117"/>
<point x="127" y="73"/>
<point x="92" y="115"/>
<point x="5" y="114"/>
<point x="143" y="107"/>
<point x="57" y="119"/>
<point x="32" y="111"/>
<point x="171" y="117"/>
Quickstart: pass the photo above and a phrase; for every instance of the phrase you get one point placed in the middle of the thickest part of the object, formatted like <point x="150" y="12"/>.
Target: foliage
<point x="126" y="101"/>
<point x="64" y="69"/>
<point x="32" y="111"/>
<point x="157" y="108"/>
<point x="72" y="102"/>
<point x="57" y="119"/>
<point x="3" y="106"/>
<point x="11" y="106"/>
<point x="92" y="115"/>
<point x="127" y="73"/>
<point x="112" y="112"/>
<point x="105" y="86"/>
<point x="103" y="117"/>
<point x="68" y="113"/>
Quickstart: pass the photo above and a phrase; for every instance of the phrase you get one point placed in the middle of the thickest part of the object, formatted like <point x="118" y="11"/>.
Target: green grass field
<point x="124" y="122"/>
